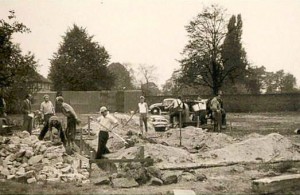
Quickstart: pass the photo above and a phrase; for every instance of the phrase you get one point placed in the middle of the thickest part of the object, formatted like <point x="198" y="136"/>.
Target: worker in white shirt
<point x="47" y="110"/>
<point x="107" y="123"/>
<point x="143" y="110"/>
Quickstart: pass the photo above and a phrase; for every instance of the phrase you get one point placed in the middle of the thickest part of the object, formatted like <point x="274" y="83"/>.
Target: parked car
<point x="160" y="123"/>
<point x="161" y="108"/>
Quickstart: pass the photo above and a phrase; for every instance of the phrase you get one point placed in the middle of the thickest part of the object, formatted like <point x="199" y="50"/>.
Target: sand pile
<point x="159" y="153"/>
<point x="196" y="138"/>
<point x="271" y="147"/>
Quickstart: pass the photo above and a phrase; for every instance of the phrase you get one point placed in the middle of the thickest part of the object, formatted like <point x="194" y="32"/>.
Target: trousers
<point x="102" y="141"/>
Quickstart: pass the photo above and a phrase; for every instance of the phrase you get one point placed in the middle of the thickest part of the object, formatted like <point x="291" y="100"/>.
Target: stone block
<point x="124" y="183"/>
<point x="282" y="183"/>
<point x="156" y="182"/>
<point x="184" y="192"/>
<point x="31" y="180"/>
<point x="35" y="159"/>
<point x="102" y="181"/>
<point x="169" y="178"/>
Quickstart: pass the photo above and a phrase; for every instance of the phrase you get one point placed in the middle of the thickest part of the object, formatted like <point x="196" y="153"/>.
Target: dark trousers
<point x="27" y="123"/>
<point x="71" y="129"/>
<point x="172" y="116"/>
<point x="46" y="126"/>
<point x="223" y="117"/>
<point x="102" y="141"/>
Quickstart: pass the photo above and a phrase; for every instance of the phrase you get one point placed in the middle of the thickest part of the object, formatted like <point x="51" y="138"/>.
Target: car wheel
<point x="155" y="111"/>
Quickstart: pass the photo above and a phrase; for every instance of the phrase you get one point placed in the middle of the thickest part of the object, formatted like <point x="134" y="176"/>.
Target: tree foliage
<point x="202" y="63"/>
<point x="279" y="82"/>
<point x="234" y="55"/>
<point x="213" y="54"/>
<point x="80" y="64"/>
<point x="122" y="77"/>
<point x="17" y="71"/>
<point x="147" y="79"/>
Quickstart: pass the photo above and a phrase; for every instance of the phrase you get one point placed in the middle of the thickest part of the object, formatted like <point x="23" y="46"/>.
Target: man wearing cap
<point x="143" y="110"/>
<point x="107" y="123"/>
<point x="72" y="119"/>
<point x="47" y="110"/>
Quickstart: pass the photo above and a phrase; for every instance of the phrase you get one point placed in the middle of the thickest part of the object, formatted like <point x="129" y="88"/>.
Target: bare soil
<point x="251" y="140"/>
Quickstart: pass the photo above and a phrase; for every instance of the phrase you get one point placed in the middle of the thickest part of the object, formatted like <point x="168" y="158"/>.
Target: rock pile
<point x="24" y="158"/>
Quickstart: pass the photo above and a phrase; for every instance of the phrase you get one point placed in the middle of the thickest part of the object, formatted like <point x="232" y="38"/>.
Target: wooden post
<point x="180" y="128"/>
<point x="90" y="161"/>
<point x="198" y="122"/>
<point x="89" y="125"/>
<point x="80" y="150"/>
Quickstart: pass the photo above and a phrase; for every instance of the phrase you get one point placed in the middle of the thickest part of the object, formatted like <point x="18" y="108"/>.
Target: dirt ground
<point x="249" y="140"/>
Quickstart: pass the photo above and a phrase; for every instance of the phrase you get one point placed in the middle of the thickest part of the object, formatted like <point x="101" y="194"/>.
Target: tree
<point x="147" y="78"/>
<point x="80" y="64"/>
<point x="288" y="83"/>
<point x="280" y="82"/>
<point x="233" y="54"/>
<point x="255" y="77"/>
<point x="202" y="63"/>
<point x="10" y="54"/>
<point x="122" y="77"/>
<point x="17" y="71"/>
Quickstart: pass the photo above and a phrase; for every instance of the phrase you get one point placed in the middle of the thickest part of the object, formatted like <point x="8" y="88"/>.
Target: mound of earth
<point x="271" y="147"/>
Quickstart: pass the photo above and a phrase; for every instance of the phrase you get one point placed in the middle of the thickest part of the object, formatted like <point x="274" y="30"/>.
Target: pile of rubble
<point x="25" y="158"/>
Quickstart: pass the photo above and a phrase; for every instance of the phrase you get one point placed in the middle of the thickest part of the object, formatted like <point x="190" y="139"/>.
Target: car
<point x="160" y="123"/>
<point x="161" y="108"/>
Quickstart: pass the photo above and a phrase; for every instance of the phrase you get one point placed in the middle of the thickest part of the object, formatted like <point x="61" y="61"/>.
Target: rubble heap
<point x="25" y="158"/>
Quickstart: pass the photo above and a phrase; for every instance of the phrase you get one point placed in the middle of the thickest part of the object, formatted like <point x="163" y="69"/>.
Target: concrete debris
<point x="156" y="181"/>
<point x="169" y="178"/>
<point x="102" y="181"/>
<point x="124" y="183"/>
<point x="26" y="159"/>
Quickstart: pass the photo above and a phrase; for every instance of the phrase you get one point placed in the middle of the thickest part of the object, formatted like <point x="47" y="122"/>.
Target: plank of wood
<point x="120" y="160"/>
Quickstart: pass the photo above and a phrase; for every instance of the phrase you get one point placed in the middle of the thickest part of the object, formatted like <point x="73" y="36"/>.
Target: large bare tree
<point x="202" y="62"/>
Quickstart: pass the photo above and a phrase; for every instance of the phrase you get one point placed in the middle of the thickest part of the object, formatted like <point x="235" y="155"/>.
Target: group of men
<point x="106" y="121"/>
<point x="50" y="119"/>
<point x="213" y="110"/>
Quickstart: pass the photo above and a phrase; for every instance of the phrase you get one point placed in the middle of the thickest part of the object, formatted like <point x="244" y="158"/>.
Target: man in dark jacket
<point x="27" y="114"/>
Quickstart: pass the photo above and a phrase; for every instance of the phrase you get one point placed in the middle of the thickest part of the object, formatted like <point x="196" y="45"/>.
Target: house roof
<point x="42" y="79"/>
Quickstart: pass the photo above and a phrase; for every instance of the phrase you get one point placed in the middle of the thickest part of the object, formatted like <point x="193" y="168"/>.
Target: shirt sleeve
<point x="113" y="119"/>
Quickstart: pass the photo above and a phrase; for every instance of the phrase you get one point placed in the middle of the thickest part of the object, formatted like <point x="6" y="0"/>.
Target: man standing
<point x="72" y="120"/>
<point x="47" y="110"/>
<point x="216" y="109"/>
<point x="143" y="110"/>
<point x="223" y="113"/>
<point x="174" y="108"/>
<point x="2" y="107"/>
<point x="107" y="123"/>
<point x="27" y="114"/>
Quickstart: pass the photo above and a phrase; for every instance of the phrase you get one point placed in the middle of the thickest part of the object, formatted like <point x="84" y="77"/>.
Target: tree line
<point x="213" y="59"/>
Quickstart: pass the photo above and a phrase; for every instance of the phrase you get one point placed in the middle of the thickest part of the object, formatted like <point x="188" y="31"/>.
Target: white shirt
<point x="107" y="122"/>
<point x="47" y="107"/>
<point x="143" y="107"/>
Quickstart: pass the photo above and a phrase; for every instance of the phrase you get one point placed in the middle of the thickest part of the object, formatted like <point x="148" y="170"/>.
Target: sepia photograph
<point x="175" y="97"/>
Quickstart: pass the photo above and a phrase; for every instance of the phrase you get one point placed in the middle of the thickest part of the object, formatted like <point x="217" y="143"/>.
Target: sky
<point x="152" y="32"/>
